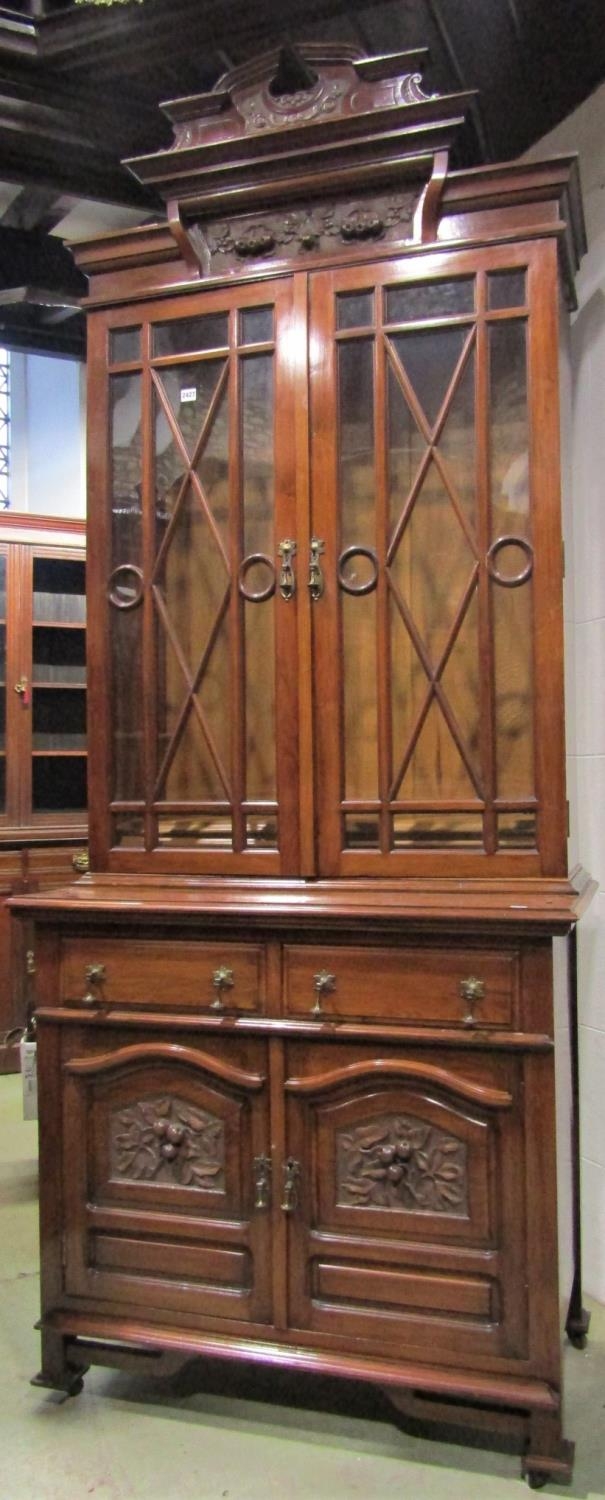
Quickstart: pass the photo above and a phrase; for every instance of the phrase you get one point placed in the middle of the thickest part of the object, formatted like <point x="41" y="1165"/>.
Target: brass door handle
<point x="291" y="1181"/>
<point x="94" y="974"/>
<point x="21" y="689"/>
<point x="222" y="979"/>
<point x="262" y="1181"/>
<point x="323" y="984"/>
<point x="287" y="580"/>
<point x="316" y="580"/>
<point x="471" y="990"/>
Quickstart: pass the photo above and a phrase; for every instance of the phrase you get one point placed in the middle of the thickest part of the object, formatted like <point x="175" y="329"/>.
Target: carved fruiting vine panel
<point x="319" y="227"/>
<point x="167" y="1140"/>
<point x="400" y="1162"/>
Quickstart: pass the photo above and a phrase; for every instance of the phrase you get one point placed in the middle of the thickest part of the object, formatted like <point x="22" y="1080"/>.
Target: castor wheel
<point x="537" y="1479"/>
<point x="76" y="1386"/>
<point x="578" y="1340"/>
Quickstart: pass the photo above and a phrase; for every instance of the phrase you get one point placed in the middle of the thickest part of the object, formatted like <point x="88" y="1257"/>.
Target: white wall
<point x="47" y="436"/>
<point x="584" y="131"/>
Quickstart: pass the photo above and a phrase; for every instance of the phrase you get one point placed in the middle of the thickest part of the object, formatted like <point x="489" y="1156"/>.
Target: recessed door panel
<point x="165" y="1142"/>
<point x="409" y="1229"/>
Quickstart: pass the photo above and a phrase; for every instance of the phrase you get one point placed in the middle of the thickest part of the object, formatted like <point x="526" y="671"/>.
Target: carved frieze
<point x="170" y="1141"/>
<point x="400" y="1162"/>
<point x="319" y="227"/>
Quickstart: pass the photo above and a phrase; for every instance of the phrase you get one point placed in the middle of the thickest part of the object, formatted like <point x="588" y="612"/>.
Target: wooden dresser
<point x="296" y="1028"/>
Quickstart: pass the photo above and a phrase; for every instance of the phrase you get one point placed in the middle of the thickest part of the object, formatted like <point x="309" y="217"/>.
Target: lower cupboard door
<point x="163" y="1148"/>
<point x="407" y="1232"/>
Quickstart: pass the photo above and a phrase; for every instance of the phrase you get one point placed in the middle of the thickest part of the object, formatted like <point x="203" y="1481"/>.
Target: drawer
<point x="420" y="985"/>
<point x="182" y="976"/>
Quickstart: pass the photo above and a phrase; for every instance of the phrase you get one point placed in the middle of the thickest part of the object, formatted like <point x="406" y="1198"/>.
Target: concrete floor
<point x="223" y="1435"/>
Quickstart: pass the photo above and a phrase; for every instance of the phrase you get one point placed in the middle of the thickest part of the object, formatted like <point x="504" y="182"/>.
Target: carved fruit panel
<point x="401" y="1162"/>
<point x="167" y="1140"/>
<point x="315" y="226"/>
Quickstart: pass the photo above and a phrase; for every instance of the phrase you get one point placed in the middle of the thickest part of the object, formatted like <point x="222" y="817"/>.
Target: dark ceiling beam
<point x="45" y="143"/>
<point x="18" y="38"/>
<point x="37" y="207"/>
<point x="486" y="145"/>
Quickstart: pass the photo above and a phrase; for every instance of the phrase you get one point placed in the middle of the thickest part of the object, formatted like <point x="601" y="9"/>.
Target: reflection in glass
<point x="512" y="616"/>
<point x="127" y="831"/>
<point x="517" y="830"/>
<point x="195" y="831"/>
<point x="430" y="830"/>
<point x="361" y="831"/>
<point x="430" y="299"/>
<point x="256" y="325"/>
<point x="189" y="390"/>
<point x="188" y="335"/>
<point x="354" y="309"/>
<point x="258" y="519"/>
<point x="506" y="289"/>
<point x="357" y="528"/>
<point x="124" y="345"/>
<point x="126" y="625"/>
<point x="261" y="832"/>
<point x="457" y="442"/>
<point x="509" y="429"/>
<point x="437" y="770"/>
<point x="510" y="513"/>
<point x="429" y="359"/>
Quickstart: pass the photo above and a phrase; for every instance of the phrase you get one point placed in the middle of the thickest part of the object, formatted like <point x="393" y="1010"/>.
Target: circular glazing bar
<point x="350" y="584"/>
<point x="121" y="592"/>
<point x="510" y="580"/>
<point x="255" y="560"/>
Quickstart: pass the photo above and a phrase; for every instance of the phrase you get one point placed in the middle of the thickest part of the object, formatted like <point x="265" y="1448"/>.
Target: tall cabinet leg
<point x="578" y="1318"/>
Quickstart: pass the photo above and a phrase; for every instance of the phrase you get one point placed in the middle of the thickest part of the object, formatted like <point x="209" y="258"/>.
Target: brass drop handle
<point x="22" y="689"/>
<point x="323" y="984"/>
<point x="222" y="979"/>
<point x="291" y="1181"/>
<point x="262" y="1181"/>
<point x="95" y="974"/>
<point x="287" y="581"/>
<point x="471" y="990"/>
<point x="316" y="580"/>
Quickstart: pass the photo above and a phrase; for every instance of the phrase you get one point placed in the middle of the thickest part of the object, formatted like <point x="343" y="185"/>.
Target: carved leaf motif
<point x="166" y="1140"/>
<point x="399" y="1162"/>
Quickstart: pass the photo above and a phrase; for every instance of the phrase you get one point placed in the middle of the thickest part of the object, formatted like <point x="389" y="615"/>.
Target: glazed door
<point x="407" y="1231"/>
<point x="435" y="510"/>
<point x="166" y="1177"/>
<point x="197" y="571"/>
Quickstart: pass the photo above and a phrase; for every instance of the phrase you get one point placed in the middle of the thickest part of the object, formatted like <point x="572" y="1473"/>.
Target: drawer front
<point x="212" y="977"/>
<point x="426" y="986"/>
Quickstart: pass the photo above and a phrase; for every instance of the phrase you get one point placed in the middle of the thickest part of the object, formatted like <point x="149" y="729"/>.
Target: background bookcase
<point x="42" y="730"/>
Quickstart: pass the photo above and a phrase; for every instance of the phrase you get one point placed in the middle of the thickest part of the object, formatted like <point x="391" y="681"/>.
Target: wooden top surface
<point x="550" y="905"/>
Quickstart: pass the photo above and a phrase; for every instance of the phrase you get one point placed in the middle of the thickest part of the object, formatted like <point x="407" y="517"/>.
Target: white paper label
<point x="189" y="393"/>
<point x="29" y="1080"/>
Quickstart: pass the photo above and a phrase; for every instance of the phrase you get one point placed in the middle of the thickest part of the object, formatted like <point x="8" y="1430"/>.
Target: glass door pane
<point x="58" y="689"/>
<point x="426" y="734"/>
<point x="203" y="492"/>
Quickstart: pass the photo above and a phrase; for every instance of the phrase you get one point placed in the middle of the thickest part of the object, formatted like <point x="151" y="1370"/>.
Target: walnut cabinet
<point x="297" y="1026"/>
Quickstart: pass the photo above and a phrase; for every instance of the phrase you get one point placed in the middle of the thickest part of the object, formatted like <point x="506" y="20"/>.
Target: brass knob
<point x="95" y="974"/>
<point x="291" y="1181"/>
<point x="323" y="984"/>
<point x="222" y="979"/>
<point x="471" y="990"/>
<point x="81" y="862"/>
